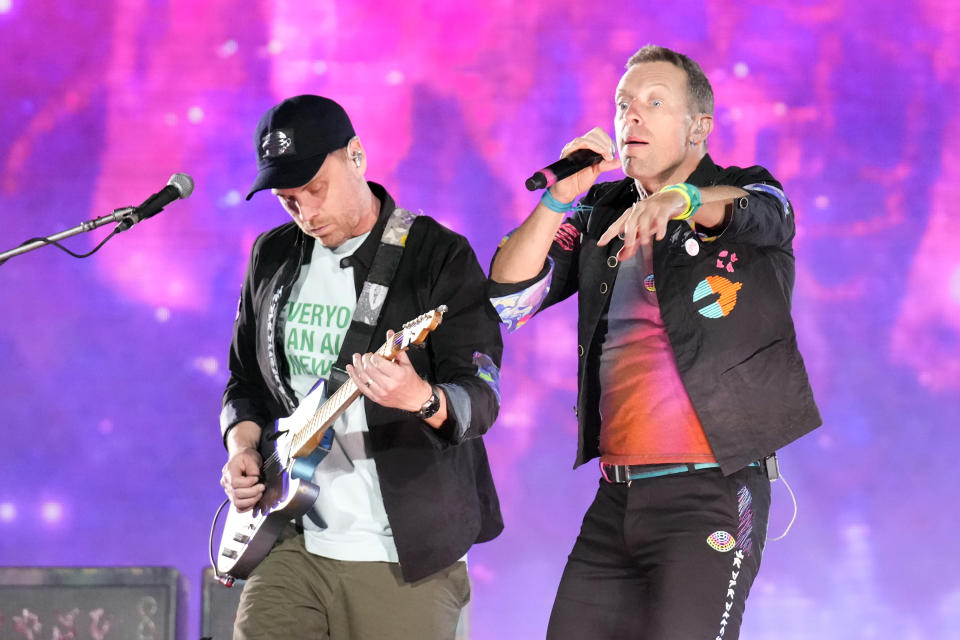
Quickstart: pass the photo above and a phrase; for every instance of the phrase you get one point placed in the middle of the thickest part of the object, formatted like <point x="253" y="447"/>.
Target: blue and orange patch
<point x="724" y="289"/>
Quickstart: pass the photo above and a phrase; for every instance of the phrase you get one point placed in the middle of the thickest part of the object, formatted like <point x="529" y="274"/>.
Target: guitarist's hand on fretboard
<point x="240" y="478"/>
<point x="394" y="383"/>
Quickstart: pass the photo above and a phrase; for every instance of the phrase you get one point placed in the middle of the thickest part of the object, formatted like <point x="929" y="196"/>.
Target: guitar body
<point x="302" y="442"/>
<point x="248" y="537"/>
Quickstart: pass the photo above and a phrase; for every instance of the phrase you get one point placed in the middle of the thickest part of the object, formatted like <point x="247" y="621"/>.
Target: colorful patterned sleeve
<point x="516" y="308"/>
<point x="518" y="303"/>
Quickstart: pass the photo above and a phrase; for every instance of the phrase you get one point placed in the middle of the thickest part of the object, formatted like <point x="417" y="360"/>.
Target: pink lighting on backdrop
<point x="114" y="366"/>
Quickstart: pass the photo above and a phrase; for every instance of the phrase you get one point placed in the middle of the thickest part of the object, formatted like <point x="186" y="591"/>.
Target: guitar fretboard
<point x="310" y="434"/>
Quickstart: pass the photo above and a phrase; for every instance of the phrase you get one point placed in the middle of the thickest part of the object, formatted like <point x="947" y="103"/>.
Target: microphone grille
<point x="182" y="183"/>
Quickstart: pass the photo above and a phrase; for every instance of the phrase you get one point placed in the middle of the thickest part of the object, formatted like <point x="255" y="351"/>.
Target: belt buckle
<point x="621" y="473"/>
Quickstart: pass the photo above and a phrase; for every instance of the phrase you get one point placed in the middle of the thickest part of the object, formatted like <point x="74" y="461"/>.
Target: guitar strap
<point x="373" y="294"/>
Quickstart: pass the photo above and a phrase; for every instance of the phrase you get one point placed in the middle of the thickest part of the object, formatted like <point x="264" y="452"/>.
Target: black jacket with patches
<point x="436" y="484"/>
<point x="736" y="353"/>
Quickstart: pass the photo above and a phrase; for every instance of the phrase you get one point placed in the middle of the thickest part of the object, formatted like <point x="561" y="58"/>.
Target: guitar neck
<point x="309" y="436"/>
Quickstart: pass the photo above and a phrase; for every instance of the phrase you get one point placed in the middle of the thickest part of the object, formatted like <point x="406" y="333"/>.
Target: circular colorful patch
<point x="721" y="541"/>
<point x="726" y="292"/>
<point x="649" y="283"/>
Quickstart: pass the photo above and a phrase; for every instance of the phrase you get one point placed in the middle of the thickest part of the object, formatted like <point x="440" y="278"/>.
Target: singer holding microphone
<point x="689" y="374"/>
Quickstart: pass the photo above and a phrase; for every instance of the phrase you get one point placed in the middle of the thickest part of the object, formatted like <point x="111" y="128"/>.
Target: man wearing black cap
<point x="406" y="488"/>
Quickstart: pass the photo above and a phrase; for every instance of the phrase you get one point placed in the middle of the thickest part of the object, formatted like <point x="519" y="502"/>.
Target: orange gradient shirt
<point x="645" y="413"/>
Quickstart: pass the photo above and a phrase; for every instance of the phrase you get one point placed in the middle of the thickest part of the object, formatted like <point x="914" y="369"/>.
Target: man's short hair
<point x="699" y="91"/>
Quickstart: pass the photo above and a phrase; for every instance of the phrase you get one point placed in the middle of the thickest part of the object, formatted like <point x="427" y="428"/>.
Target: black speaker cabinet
<point x="219" y="607"/>
<point x="101" y="603"/>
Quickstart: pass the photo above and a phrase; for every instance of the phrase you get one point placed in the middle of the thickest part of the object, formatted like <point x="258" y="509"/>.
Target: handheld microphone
<point x="179" y="186"/>
<point x="562" y="168"/>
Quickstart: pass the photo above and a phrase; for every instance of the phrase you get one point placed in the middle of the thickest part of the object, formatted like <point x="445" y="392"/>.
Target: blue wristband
<point x="555" y="205"/>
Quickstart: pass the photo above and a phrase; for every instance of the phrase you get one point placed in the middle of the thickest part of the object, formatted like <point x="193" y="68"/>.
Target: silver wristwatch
<point x="431" y="406"/>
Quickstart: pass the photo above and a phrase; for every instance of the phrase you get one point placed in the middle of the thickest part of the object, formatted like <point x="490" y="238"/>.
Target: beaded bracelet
<point x="553" y="204"/>
<point x="690" y="193"/>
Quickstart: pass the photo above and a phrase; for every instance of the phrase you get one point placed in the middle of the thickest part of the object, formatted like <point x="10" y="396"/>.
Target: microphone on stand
<point x="179" y="186"/>
<point x="562" y="168"/>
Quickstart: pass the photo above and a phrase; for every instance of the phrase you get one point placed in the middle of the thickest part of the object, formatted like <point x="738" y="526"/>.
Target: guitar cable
<point x="222" y="578"/>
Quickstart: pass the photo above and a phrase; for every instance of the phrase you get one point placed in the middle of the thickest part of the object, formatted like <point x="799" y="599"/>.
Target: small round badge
<point x="649" y="283"/>
<point x="692" y="246"/>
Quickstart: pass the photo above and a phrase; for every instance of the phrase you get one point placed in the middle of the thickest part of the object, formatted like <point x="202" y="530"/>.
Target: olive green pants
<point x="295" y="594"/>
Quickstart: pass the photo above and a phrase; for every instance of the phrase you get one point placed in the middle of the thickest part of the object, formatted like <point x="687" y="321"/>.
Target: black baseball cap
<point x="293" y="139"/>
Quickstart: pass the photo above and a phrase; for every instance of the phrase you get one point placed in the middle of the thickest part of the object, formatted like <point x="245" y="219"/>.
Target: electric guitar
<point x="302" y="441"/>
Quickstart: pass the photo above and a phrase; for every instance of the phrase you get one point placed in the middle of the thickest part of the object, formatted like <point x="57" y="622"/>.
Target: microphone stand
<point x="122" y="216"/>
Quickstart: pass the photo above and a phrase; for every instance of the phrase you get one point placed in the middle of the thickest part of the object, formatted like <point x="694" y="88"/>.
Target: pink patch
<point x="726" y="265"/>
<point x="567" y="236"/>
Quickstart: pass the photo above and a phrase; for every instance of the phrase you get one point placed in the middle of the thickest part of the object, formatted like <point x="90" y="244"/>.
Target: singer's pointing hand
<point x="645" y="220"/>
<point x="596" y="140"/>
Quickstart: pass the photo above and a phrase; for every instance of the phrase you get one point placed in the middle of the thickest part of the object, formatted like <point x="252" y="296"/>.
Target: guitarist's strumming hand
<point x="240" y="478"/>
<point x="395" y="383"/>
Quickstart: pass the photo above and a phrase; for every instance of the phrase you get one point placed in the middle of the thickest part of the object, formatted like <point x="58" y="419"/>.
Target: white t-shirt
<point x="348" y="521"/>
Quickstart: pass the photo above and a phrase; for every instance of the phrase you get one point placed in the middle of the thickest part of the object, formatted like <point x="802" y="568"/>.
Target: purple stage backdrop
<point x="112" y="367"/>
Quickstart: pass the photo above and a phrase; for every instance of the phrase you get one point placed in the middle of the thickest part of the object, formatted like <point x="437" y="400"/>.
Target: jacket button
<point x="345" y="262"/>
<point x="580" y="350"/>
<point x="603" y="287"/>
<point x="612" y="261"/>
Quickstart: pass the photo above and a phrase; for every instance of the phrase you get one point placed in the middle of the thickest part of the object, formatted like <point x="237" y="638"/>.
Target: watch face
<point x="430" y="407"/>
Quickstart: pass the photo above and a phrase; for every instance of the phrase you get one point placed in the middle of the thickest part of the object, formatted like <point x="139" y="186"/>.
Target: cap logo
<point x="277" y="143"/>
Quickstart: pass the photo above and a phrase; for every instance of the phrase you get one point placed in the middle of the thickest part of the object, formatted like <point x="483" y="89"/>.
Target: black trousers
<point x="666" y="558"/>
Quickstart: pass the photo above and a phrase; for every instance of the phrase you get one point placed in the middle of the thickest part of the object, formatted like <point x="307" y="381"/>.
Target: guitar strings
<point x="346" y="389"/>
<point x="387" y="350"/>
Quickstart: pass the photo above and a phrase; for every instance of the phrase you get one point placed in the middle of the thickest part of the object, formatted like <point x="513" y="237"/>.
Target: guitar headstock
<point x="416" y="331"/>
